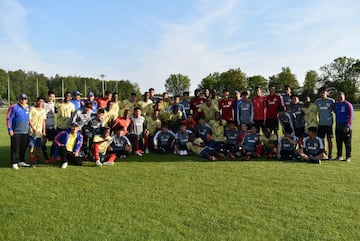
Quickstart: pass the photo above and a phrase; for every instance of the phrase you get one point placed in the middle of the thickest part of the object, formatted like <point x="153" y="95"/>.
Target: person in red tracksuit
<point x="225" y="106"/>
<point x="273" y="101"/>
<point x="195" y="103"/>
<point x="259" y="103"/>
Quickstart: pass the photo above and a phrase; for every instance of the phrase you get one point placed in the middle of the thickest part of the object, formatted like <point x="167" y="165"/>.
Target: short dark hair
<point x="313" y="129"/>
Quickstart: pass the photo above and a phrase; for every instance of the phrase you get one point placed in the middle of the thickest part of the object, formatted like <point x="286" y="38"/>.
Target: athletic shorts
<point x="300" y="132"/>
<point x="272" y="124"/>
<point x="35" y="141"/>
<point x="325" y="131"/>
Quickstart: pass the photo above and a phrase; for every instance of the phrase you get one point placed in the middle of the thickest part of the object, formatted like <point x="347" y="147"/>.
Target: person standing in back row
<point x="273" y="101"/>
<point x="344" y="112"/>
<point x="325" y="109"/>
<point x="17" y="120"/>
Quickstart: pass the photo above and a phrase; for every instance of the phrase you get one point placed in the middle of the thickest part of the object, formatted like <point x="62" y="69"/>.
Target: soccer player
<point x="165" y="101"/>
<point x="325" y="106"/>
<point x="344" y="117"/>
<point x="190" y="122"/>
<point x="17" y="120"/>
<point x="164" y="140"/>
<point x="313" y="147"/>
<point x="102" y="101"/>
<point x="225" y="106"/>
<point x="199" y="147"/>
<point x="287" y="97"/>
<point x="68" y="143"/>
<point x="91" y="99"/>
<point x="186" y="103"/>
<point x="218" y="127"/>
<point x="82" y="117"/>
<point x="202" y="129"/>
<point x="181" y="107"/>
<point x="311" y="113"/>
<point x="101" y="143"/>
<point x="250" y="146"/>
<point x="286" y="149"/>
<point x="195" y="103"/>
<point x="65" y="109"/>
<point x="182" y="137"/>
<point x="146" y="104"/>
<point x="115" y="107"/>
<point x="299" y="119"/>
<point x="129" y="104"/>
<point x="269" y="143"/>
<point x="208" y="109"/>
<point x="245" y="112"/>
<point x="94" y="128"/>
<point x="153" y="124"/>
<point x="235" y="104"/>
<point x="231" y="140"/>
<point x="124" y="121"/>
<point x="37" y="130"/>
<point x="76" y="100"/>
<point x="285" y="119"/>
<point x="175" y="117"/>
<point x="273" y="100"/>
<point x="259" y="104"/>
<point x="49" y="108"/>
<point x="136" y="131"/>
<point x="120" y="147"/>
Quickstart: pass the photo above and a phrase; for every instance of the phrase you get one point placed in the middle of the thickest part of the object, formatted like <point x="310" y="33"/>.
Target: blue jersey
<point x="250" y="141"/>
<point x="325" y="110"/>
<point x="17" y="119"/>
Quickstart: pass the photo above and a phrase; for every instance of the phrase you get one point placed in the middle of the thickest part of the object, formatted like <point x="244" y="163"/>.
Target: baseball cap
<point x="76" y="92"/>
<point x="23" y="96"/>
<point x="91" y="94"/>
<point x="75" y="124"/>
<point x="237" y="92"/>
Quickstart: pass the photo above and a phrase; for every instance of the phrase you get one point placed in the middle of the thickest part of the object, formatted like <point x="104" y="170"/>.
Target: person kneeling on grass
<point x="164" y="140"/>
<point x="101" y="142"/>
<point x="181" y="139"/>
<point x="313" y="147"/>
<point x="68" y="146"/>
<point x="250" y="146"/>
<point x="120" y="147"/>
<point x="287" y="146"/>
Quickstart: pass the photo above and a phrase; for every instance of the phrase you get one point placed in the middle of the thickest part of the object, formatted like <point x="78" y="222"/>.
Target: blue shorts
<point x="35" y="141"/>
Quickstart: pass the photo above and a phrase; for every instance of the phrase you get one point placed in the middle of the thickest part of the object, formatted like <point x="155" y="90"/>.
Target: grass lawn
<point x="170" y="197"/>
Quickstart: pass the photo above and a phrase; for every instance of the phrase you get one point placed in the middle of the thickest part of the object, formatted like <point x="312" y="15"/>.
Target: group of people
<point x="105" y="129"/>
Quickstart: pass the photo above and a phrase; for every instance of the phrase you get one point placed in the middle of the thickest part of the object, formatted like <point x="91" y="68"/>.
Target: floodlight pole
<point x="8" y="79"/>
<point x="103" y="84"/>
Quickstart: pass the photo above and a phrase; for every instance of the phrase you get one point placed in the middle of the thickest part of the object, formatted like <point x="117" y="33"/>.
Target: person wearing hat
<point x="17" y="120"/>
<point x="76" y="100"/>
<point x="68" y="145"/>
<point x="91" y="99"/>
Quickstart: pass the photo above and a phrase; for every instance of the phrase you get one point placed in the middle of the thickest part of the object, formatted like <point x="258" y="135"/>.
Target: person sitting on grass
<point x="250" y="146"/>
<point x="68" y="146"/>
<point x="287" y="146"/>
<point x="199" y="147"/>
<point x="164" y="140"/>
<point x="269" y="143"/>
<point x="190" y="122"/>
<point x="120" y="147"/>
<point x="231" y="140"/>
<point x="181" y="139"/>
<point x="101" y="142"/>
<point x="202" y="129"/>
<point x="313" y="147"/>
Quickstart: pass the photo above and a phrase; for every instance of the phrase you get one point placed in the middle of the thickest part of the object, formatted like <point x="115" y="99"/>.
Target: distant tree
<point x="256" y="81"/>
<point x="343" y="75"/>
<point x="18" y="84"/>
<point x="176" y="84"/>
<point x="3" y="84"/>
<point x="311" y="80"/>
<point x="233" y="79"/>
<point x="285" y="77"/>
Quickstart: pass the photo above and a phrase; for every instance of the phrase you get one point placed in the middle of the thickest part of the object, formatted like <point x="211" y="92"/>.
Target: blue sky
<point x="146" y="41"/>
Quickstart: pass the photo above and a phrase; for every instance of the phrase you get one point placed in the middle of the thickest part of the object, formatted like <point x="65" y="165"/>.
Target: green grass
<point x="181" y="198"/>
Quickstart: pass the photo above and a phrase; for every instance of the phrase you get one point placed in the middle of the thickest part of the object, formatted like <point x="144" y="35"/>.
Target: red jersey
<point x="101" y="102"/>
<point x="195" y="103"/>
<point x="259" y="103"/>
<point x="272" y="103"/>
<point x="225" y="106"/>
<point x="189" y="124"/>
<point x="121" y="121"/>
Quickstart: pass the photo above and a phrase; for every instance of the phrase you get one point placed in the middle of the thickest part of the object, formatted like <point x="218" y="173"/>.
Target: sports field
<point x="158" y="197"/>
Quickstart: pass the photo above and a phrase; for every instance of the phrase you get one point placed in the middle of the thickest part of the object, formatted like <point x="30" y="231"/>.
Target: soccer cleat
<point x="23" y="164"/>
<point x="138" y="153"/>
<point x="339" y="158"/>
<point x="108" y="163"/>
<point x="147" y="150"/>
<point x="98" y="163"/>
<point x="64" y="165"/>
<point x="15" y="166"/>
<point x="31" y="159"/>
<point x="348" y="159"/>
<point x="38" y="157"/>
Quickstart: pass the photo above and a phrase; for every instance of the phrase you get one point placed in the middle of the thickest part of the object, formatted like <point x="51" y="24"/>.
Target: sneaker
<point x="317" y="161"/>
<point x="64" y="165"/>
<point x="330" y="158"/>
<point x="98" y="163"/>
<point x="185" y="153"/>
<point x="23" y="164"/>
<point x="339" y="158"/>
<point x="348" y="159"/>
<point x="147" y="150"/>
<point x="138" y="153"/>
<point x="15" y="166"/>
<point x="108" y="163"/>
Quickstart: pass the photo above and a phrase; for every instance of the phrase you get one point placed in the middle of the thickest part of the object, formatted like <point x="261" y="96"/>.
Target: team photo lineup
<point x="228" y="126"/>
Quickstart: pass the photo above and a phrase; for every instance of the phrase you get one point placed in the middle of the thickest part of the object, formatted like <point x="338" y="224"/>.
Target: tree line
<point x="343" y="73"/>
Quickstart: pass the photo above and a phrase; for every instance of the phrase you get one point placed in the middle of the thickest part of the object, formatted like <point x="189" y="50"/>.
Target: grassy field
<point x="181" y="198"/>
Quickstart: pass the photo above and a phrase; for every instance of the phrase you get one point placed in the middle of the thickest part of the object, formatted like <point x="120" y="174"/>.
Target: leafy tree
<point x="233" y="79"/>
<point x="343" y="75"/>
<point x="176" y="84"/>
<point x="3" y="84"/>
<point x="285" y="77"/>
<point x="311" y="80"/>
<point x="256" y="81"/>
